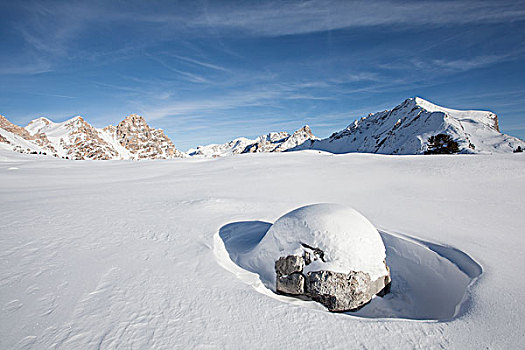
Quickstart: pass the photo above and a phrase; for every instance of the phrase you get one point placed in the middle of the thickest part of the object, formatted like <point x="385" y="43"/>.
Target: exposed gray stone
<point x="308" y="257"/>
<point x="339" y="291"/>
<point x="288" y="265"/>
<point x="291" y="284"/>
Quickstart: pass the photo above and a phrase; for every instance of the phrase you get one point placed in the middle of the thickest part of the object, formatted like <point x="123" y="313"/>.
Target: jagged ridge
<point x="271" y="142"/>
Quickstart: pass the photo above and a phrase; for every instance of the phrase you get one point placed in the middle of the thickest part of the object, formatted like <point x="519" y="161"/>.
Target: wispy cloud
<point x="211" y="104"/>
<point x="287" y="18"/>
<point x="201" y="63"/>
<point x="188" y="76"/>
<point x="470" y="63"/>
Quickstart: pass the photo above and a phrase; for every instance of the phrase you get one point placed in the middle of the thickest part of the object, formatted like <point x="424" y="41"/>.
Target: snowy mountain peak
<point x="406" y="129"/>
<point x="37" y="123"/>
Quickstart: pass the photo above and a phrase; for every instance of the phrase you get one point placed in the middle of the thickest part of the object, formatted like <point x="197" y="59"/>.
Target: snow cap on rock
<point x="349" y="242"/>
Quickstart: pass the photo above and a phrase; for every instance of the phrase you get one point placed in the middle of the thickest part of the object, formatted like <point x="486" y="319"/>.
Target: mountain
<point x="140" y="141"/>
<point x="77" y="139"/>
<point x="16" y="138"/>
<point x="406" y="129"/>
<point x="271" y="142"/>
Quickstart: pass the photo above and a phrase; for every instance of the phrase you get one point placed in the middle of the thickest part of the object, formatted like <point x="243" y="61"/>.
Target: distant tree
<point x="518" y="150"/>
<point x="441" y="144"/>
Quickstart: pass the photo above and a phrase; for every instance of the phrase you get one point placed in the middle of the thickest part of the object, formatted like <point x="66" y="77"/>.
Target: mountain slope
<point x="75" y="139"/>
<point x="406" y="129"/>
<point x="16" y="138"/>
<point x="271" y="142"/>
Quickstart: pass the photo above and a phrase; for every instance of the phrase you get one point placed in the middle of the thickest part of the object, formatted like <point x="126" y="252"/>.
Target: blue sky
<point x="210" y="71"/>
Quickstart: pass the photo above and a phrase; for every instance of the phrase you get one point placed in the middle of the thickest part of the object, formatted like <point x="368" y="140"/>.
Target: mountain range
<point x="76" y="139"/>
<point x="404" y="129"/>
<point x="271" y="142"/>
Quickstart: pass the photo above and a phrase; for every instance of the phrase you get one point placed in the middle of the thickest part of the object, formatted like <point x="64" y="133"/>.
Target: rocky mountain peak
<point x="304" y="130"/>
<point x="134" y="134"/>
<point x="15" y="129"/>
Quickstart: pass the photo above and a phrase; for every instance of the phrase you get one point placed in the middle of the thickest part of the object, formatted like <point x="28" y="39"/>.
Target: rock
<point x="325" y="252"/>
<point x="335" y="290"/>
<point x="288" y="265"/>
<point x="339" y="291"/>
<point x="291" y="284"/>
<point x="289" y="275"/>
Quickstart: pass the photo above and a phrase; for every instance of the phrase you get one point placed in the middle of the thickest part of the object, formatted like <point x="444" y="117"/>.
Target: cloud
<point x="201" y="63"/>
<point x="470" y="63"/>
<point x="188" y="76"/>
<point x="211" y="104"/>
<point x="288" y="18"/>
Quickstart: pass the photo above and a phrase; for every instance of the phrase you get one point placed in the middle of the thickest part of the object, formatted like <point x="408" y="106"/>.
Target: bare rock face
<point x="291" y="284"/>
<point x="335" y="290"/>
<point x="84" y="142"/>
<point x="290" y="264"/>
<point x="339" y="291"/>
<point x="15" y="129"/>
<point x="134" y="134"/>
<point x="290" y="279"/>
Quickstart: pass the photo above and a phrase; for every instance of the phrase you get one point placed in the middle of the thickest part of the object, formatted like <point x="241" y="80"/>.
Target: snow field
<point x="123" y="254"/>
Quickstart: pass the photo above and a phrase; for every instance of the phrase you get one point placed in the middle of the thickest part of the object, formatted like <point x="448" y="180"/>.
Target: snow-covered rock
<point x="406" y="129"/>
<point x="327" y="252"/>
<point x="271" y="142"/>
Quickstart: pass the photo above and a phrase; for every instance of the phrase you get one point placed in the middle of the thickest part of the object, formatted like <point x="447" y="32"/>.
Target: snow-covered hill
<point x="271" y="142"/>
<point x="139" y="255"/>
<point x="77" y="139"/>
<point x="406" y="129"/>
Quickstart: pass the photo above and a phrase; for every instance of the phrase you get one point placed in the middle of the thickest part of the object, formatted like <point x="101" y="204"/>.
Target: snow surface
<point x="126" y="254"/>
<point x="349" y="242"/>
